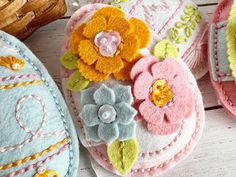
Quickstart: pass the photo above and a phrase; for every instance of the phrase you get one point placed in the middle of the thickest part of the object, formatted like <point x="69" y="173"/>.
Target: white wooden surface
<point x="214" y="156"/>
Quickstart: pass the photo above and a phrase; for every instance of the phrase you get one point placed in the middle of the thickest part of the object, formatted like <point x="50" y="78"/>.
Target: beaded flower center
<point x="107" y="43"/>
<point x="161" y="93"/>
<point x="107" y="113"/>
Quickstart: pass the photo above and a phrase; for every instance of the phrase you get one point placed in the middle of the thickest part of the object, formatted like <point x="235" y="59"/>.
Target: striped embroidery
<point x="19" y="84"/>
<point x="35" y="156"/>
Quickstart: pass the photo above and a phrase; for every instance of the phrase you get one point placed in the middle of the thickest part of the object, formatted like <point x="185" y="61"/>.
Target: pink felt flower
<point x="164" y="93"/>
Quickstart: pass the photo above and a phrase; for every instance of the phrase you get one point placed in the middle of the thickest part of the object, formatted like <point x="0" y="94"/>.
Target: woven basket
<point x="22" y="17"/>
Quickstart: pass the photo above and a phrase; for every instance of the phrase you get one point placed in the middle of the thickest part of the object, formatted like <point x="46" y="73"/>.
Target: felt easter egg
<point x="137" y="114"/>
<point x="37" y="136"/>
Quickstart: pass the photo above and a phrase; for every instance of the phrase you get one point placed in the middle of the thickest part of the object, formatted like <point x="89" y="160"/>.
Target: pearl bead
<point x="103" y="40"/>
<point x="15" y="66"/>
<point x="107" y="113"/>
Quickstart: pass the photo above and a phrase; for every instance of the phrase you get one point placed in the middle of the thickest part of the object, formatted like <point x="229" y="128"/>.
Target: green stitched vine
<point x="188" y="23"/>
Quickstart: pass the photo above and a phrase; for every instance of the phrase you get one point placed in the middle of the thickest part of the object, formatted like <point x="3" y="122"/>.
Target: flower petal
<point x="142" y="85"/>
<point x="166" y="69"/>
<point x="108" y="12"/>
<point x="87" y="96"/>
<point x="130" y="48"/>
<point x="108" y="132"/>
<point x="142" y="31"/>
<point x="75" y="38"/>
<point x="124" y="113"/>
<point x="89" y="115"/>
<point x="104" y="95"/>
<point x="91" y="133"/>
<point x="120" y="25"/>
<point x="127" y="131"/>
<point x="94" y="26"/>
<point x="151" y="113"/>
<point x="123" y="93"/>
<point x="142" y="65"/>
<point x="90" y="72"/>
<point x="109" y="65"/>
<point x="87" y="52"/>
<point x="176" y="112"/>
<point x="164" y="128"/>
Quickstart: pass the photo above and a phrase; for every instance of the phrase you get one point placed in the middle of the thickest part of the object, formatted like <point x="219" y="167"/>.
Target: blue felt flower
<point x="107" y="113"/>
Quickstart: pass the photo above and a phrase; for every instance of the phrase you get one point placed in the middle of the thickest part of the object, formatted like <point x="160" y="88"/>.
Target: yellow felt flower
<point x="107" y="43"/>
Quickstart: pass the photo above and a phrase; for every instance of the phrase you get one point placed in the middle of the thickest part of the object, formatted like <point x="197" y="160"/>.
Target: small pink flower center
<point x="108" y="43"/>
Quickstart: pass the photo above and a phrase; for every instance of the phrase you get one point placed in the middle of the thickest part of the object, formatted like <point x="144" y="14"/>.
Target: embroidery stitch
<point x="21" y="53"/>
<point x="35" y="134"/>
<point x="35" y="165"/>
<point x="20" y="84"/>
<point x="189" y="20"/>
<point x="175" y="158"/>
<point x="12" y="63"/>
<point x="35" y="156"/>
<point x="23" y="76"/>
<point x="142" y="154"/>
<point x="19" y="105"/>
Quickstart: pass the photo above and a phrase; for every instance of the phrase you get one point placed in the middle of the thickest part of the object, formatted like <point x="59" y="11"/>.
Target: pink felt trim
<point x="225" y="91"/>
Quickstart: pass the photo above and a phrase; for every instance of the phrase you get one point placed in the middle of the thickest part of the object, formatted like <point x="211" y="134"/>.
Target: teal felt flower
<point x="107" y="113"/>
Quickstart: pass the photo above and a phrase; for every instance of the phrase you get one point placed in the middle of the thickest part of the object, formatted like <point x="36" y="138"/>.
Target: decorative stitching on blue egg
<point x="21" y="53"/>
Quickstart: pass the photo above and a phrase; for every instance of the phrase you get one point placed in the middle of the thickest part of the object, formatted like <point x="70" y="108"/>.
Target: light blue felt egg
<point x="37" y="136"/>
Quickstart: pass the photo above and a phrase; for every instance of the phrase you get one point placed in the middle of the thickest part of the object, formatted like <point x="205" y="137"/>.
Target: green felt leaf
<point x="123" y="155"/>
<point x="77" y="82"/>
<point x="69" y="60"/>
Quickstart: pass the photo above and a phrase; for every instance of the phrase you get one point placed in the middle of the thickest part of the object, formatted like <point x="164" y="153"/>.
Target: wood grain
<point x="215" y="154"/>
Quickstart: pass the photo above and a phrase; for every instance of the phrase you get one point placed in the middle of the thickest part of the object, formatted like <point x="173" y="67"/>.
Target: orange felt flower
<point x="107" y="43"/>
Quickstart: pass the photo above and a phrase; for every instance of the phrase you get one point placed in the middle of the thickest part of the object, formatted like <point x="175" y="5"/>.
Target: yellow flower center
<point x="161" y="93"/>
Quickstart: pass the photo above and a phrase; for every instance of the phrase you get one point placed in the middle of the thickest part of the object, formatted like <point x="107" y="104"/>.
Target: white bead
<point x="15" y="66"/>
<point x="106" y="115"/>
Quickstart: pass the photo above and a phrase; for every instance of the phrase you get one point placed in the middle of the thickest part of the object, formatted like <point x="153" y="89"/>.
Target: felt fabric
<point x="69" y="60"/>
<point x="77" y="82"/>
<point x="224" y="71"/>
<point x="93" y="62"/>
<point x="33" y="118"/>
<point x="166" y="16"/>
<point x="177" y="109"/>
<point x="158" y="152"/>
<point x="164" y="49"/>
<point x="123" y="155"/>
<point x="222" y="82"/>
<point x="108" y="113"/>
